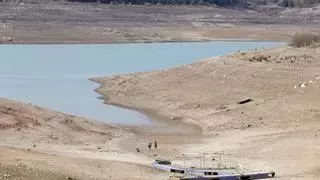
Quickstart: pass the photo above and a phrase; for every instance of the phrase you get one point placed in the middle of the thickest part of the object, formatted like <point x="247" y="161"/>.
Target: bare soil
<point x="277" y="130"/>
<point x="196" y="106"/>
<point x="197" y="109"/>
<point x="62" y="22"/>
<point x="36" y="143"/>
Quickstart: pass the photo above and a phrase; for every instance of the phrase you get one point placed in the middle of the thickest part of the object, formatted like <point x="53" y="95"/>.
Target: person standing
<point x="149" y="145"/>
<point x="155" y="145"/>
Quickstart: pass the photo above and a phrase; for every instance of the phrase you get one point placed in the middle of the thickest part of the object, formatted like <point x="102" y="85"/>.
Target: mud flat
<point x="276" y="130"/>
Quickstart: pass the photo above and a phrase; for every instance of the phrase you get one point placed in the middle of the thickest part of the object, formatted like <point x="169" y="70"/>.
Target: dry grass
<point x="305" y="39"/>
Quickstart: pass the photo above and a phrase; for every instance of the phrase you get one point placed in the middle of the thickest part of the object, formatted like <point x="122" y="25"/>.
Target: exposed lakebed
<point x="56" y="76"/>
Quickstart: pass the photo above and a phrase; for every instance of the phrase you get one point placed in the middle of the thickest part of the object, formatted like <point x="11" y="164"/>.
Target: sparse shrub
<point x="305" y="39"/>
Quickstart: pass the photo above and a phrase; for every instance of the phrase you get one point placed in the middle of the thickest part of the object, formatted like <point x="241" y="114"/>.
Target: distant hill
<point x="223" y="3"/>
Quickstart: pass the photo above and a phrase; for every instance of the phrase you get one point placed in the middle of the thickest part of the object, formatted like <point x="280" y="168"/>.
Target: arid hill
<point x="66" y="22"/>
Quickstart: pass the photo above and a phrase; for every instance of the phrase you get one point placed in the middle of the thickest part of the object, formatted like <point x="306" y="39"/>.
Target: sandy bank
<point x="37" y="143"/>
<point x="80" y="23"/>
<point x="270" y="132"/>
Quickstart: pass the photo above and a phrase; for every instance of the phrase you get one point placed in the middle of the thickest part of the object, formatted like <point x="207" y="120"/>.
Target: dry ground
<point x="278" y="130"/>
<point x="36" y="143"/>
<point x="61" y="22"/>
<point x="197" y="104"/>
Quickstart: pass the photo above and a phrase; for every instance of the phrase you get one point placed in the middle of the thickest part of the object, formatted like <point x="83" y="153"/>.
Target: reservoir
<point x="56" y="76"/>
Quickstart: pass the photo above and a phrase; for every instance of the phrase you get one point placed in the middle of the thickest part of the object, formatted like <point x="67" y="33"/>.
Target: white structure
<point x="202" y="173"/>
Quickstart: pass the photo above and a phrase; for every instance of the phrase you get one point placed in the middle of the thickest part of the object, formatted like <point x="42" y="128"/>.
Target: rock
<point x="21" y="165"/>
<point x="245" y="101"/>
<point x="196" y="106"/>
<point x="6" y="175"/>
<point x="174" y="118"/>
<point x="53" y="137"/>
<point x="122" y="82"/>
<point x="303" y="85"/>
<point x="138" y="150"/>
<point x="221" y="107"/>
<point x="68" y="121"/>
<point x="310" y="81"/>
<point x="8" y="108"/>
<point x="99" y="147"/>
<point x="249" y="125"/>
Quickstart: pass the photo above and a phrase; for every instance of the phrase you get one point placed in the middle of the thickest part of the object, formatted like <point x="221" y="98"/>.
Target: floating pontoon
<point x="192" y="173"/>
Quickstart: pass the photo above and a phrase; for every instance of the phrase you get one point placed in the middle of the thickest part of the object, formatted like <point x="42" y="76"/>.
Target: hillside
<point x="65" y="22"/>
<point x="279" y="121"/>
<point x="222" y="3"/>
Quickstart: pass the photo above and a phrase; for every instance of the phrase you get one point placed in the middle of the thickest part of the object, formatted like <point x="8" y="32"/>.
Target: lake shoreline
<point x="153" y="42"/>
<point x="258" y="135"/>
<point x="194" y="105"/>
<point x="71" y="65"/>
<point x="46" y="144"/>
<point x="157" y="118"/>
<point x="206" y="103"/>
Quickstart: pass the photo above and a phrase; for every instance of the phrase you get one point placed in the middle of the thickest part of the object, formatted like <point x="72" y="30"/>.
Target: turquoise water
<point x="56" y="76"/>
